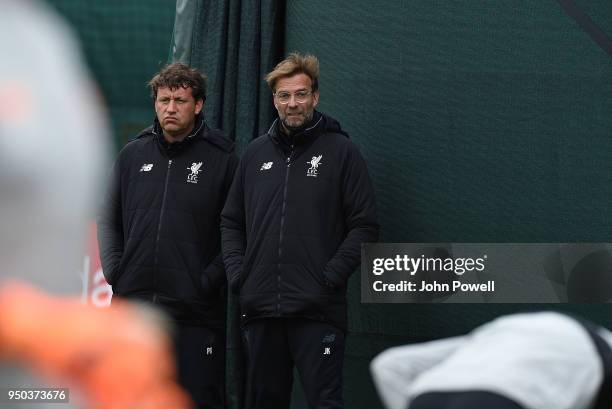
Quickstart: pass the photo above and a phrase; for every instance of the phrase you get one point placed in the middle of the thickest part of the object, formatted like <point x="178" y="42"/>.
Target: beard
<point x="295" y="127"/>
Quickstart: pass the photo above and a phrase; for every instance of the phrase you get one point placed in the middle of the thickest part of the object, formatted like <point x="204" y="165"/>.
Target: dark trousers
<point x="462" y="400"/>
<point x="274" y="345"/>
<point x="200" y="359"/>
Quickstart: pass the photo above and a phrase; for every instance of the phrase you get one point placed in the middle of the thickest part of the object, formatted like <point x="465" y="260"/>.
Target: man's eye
<point x="301" y="94"/>
<point x="283" y="95"/>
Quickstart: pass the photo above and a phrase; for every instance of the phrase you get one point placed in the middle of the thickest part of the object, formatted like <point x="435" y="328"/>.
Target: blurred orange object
<point x="115" y="358"/>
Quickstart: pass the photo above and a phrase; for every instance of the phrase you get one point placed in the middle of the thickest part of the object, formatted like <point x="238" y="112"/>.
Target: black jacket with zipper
<point x="159" y="232"/>
<point x="294" y="221"/>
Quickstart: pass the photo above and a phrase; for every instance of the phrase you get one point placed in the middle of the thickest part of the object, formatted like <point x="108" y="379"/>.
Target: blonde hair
<point x="295" y="63"/>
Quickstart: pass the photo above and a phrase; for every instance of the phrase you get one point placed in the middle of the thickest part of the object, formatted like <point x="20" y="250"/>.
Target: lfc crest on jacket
<point x="314" y="166"/>
<point x="196" y="168"/>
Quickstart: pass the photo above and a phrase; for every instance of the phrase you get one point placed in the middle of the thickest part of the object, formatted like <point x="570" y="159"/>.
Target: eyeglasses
<point x="284" y="97"/>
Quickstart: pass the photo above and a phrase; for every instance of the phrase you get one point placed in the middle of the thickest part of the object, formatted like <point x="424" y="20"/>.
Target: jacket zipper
<point x="280" y="240"/>
<point x="159" y="226"/>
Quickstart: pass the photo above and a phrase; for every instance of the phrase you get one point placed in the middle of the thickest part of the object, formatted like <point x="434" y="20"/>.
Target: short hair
<point x="295" y="63"/>
<point x="177" y="75"/>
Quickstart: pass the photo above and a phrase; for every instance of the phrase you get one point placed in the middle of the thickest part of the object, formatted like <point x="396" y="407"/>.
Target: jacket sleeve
<point x="233" y="227"/>
<point x="110" y="227"/>
<point x="214" y="277"/>
<point x="359" y="208"/>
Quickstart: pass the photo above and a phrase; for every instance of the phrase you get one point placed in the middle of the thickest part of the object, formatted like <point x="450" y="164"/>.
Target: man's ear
<point x="199" y="105"/>
<point x="315" y="98"/>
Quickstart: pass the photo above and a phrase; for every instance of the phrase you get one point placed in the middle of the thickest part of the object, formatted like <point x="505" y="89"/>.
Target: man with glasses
<point x="299" y="209"/>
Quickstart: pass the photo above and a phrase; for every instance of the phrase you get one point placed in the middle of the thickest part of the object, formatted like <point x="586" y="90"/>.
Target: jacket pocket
<point x="299" y="279"/>
<point x="260" y="279"/>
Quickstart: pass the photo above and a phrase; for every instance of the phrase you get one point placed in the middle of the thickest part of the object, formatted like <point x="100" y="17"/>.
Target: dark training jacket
<point x="159" y="231"/>
<point x="294" y="221"/>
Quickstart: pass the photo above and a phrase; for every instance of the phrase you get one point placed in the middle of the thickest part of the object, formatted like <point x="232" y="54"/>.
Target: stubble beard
<point x="293" y="128"/>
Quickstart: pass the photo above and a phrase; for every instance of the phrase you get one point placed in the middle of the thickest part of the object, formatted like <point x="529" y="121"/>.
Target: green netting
<point x="125" y="42"/>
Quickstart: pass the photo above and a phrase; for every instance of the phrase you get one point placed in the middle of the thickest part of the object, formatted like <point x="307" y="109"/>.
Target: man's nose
<point x="292" y="101"/>
<point x="172" y="106"/>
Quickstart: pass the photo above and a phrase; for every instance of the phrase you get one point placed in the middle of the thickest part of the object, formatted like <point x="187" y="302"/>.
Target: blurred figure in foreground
<point x="524" y="361"/>
<point x="53" y="146"/>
